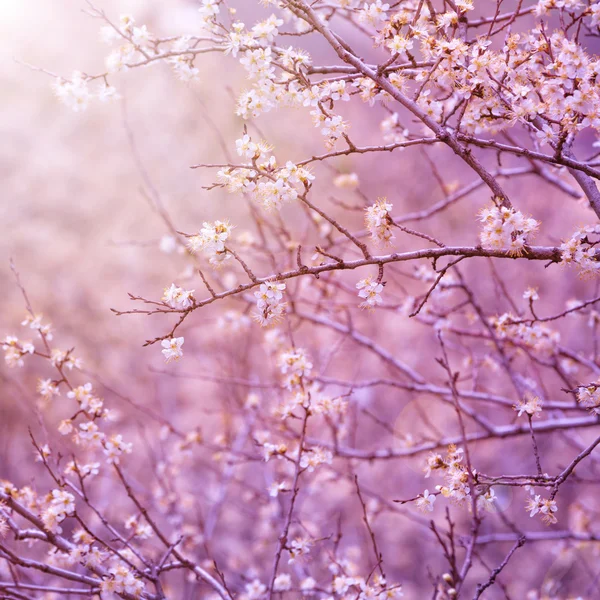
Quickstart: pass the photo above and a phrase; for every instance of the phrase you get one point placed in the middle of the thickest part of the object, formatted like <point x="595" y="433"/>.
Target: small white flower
<point x="531" y="294"/>
<point x="172" y="348"/>
<point x="370" y="290"/>
<point x="299" y="547"/>
<point x="530" y="404"/>
<point x="426" y="501"/>
<point x="276" y="487"/>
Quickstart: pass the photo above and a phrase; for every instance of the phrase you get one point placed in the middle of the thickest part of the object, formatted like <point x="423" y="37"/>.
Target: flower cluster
<point x="505" y="229"/>
<point x="379" y="221"/>
<point x="15" y="351"/>
<point x="537" y="336"/>
<point x="269" y="184"/>
<point x="141" y="530"/>
<point x="178" y="298"/>
<point x="295" y="365"/>
<point x="269" y="302"/>
<point x="84" y="471"/>
<point x="544" y="506"/>
<point x="171" y="348"/>
<point x="356" y="586"/>
<point x="457" y="486"/>
<point x="313" y="457"/>
<point x="47" y="388"/>
<point x="182" y="61"/>
<point x="121" y="580"/>
<point x="580" y="250"/>
<point x="373" y="13"/>
<point x="88" y="403"/>
<point x="269" y="449"/>
<point x="370" y="290"/>
<point x="299" y="547"/>
<point x="35" y="322"/>
<point x="589" y="397"/>
<point x="211" y="241"/>
<point x="115" y="447"/>
<point x="455" y="474"/>
<point x="76" y="93"/>
<point x="64" y="359"/>
<point x="59" y="505"/>
<point x="88" y="433"/>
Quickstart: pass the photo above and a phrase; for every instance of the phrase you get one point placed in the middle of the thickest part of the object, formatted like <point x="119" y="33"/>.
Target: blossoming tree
<point x="313" y="491"/>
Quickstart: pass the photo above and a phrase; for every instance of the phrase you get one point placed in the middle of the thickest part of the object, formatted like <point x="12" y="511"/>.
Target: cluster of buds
<point x="296" y="367"/>
<point x="15" y="351"/>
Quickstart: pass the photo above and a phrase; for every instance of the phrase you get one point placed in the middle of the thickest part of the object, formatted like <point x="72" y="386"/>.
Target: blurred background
<point x="74" y="213"/>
